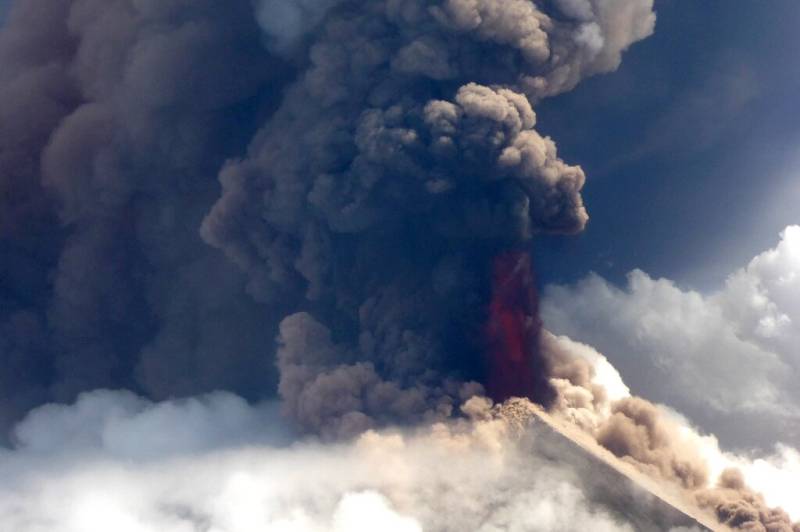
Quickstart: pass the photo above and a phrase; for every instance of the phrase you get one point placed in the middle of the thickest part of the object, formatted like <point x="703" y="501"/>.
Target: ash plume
<point x="632" y="428"/>
<point x="400" y="163"/>
<point x="739" y="507"/>
<point x="114" y="119"/>
<point x="375" y="156"/>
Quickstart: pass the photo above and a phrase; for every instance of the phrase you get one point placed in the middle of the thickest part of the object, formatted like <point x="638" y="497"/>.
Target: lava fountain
<point x="515" y="365"/>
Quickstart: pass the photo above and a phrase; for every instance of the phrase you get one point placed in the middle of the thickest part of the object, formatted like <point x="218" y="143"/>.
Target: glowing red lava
<point x="515" y="365"/>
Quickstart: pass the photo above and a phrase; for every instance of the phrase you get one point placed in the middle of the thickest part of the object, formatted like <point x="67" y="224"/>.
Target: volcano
<point x="613" y="485"/>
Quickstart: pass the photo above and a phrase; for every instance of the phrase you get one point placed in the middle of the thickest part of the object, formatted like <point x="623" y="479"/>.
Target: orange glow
<point x="515" y="366"/>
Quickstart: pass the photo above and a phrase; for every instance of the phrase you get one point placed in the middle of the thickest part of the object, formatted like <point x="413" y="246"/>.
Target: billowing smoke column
<point x="379" y="154"/>
<point x="516" y="366"/>
<point x="400" y="163"/>
<point x="114" y="120"/>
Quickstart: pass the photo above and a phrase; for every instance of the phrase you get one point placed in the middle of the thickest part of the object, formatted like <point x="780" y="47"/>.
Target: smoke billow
<point x="632" y="428"/>
<point x="115" y="119"/>
<point x="379" y="155"/>
<point x="399" y="164"/>
<point x="642" y="434"/>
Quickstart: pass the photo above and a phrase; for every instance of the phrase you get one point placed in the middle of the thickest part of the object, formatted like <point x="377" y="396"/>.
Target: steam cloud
<point x="727" y="359"/>
<point x="116" y="461"/>
<point x="115" y="119"/>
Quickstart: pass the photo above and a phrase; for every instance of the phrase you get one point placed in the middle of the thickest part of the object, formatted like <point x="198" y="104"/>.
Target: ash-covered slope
<point x="609" y="483"/>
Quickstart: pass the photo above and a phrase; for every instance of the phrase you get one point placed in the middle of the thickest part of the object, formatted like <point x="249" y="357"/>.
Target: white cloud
<point x="776" y="476"/>
<point x="729" y="360"/>
<point x="763" y="299"/>
<point x="114" y="461"/>
<point x="125" y="426"/>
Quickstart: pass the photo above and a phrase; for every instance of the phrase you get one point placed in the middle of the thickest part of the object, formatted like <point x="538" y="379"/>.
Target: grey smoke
<point x="287" y="22"/>
<point x="372" y="157"/>
<point x="4" y="5"/>
<point x="398" y="163"/>
<point x="727" y="358"/>
<point x="115" y="119"/>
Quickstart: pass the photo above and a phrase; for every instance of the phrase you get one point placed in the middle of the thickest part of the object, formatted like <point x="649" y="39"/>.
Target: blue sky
<point x="689" y="148"/>
<point x="690" y="152"/>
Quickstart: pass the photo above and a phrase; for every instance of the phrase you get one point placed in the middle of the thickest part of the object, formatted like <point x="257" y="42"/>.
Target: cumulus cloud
<point x="114" y="119"/>
<point x="726" y="359"/>
<point x="761" y="298"/>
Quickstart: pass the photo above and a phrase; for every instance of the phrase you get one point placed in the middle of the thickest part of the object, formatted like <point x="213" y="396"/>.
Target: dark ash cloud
<point x="378" y="154"/>
<point x="401" y="161"/>
<point x="115" y="117"/>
